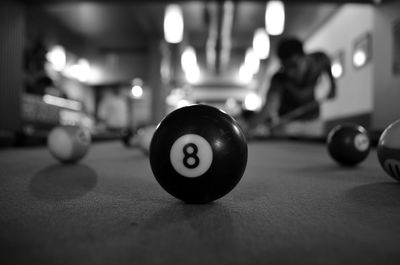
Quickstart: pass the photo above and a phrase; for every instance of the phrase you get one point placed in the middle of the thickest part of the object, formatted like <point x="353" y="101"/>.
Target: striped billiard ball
<point x="388" y="150"/>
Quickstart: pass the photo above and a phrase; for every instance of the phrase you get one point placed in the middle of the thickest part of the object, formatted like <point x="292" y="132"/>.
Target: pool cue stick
<point x="296" y="113"/>
<point x="287" y="118"/>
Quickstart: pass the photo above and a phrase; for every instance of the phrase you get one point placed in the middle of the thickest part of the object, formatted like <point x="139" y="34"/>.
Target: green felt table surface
<point x="294" y="205"/>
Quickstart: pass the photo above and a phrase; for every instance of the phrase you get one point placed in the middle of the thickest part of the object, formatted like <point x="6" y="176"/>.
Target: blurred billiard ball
<point x="198" y="153"/>
<point x="126" y="137"/>
<point x="68" y="144"/>
<point x="348" y="144"/>
<point x="145" y="135"/>
<point x="140" y="139"/>
<point x="388" y="150"/>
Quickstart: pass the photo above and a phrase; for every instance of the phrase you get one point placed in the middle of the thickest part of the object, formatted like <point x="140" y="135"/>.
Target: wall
<point x="159" y="58"/>
<point x="44" y="27"/>
<point x="80" y="92"/>
<point x="119" y="67"/>
<point x="355" y="87"/>
<point x="387" y="85"/>
<point x="141" y="111"/>
<point x="12" y="29"/>
<point x="41" y="26"/>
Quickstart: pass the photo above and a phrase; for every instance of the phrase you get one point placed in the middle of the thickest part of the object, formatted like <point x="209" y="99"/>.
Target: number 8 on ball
<point x="191" y="155"/>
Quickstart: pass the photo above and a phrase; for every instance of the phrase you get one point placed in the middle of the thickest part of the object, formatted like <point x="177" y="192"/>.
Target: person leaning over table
<point x="295" y="85"/>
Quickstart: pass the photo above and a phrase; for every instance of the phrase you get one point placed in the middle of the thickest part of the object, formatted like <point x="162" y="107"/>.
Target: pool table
<point x="294" y="205"/>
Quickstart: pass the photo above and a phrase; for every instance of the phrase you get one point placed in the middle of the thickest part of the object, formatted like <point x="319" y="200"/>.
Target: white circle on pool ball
<point x="361" y="142"/>
<point x="60" y="143"/>
<point x="204" y="154"/>
<point x="83" y="136"/>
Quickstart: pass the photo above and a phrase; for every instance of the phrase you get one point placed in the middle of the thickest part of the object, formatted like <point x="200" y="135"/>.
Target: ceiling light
<point x="80" y="71"/>
<point x="188" y="59"/>
<point x="261" y="43"/>
<point x="173" y="24"/>
<point x="252" y="102"/>
<point x="193" y="75"/>
<point x="137" y="91"/>
<point x="275" y="17"/>
<point x="57" y="57"/>
<point x="251" y="61"/>
<point x="337" y="69"/>
<point x="245" y="74"/>
<point x="359" y="58"/>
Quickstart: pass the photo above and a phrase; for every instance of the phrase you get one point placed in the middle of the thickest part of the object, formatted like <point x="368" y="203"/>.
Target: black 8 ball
<point x="348" y="144"/>
<point x="198" y="153"/>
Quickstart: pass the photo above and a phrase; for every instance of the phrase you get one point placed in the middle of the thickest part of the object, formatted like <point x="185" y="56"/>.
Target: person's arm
<point x="332" y="81"/>
<point x="326" y="78"/>
<point x="319" y="85"/>
<point x="322" y="88"/>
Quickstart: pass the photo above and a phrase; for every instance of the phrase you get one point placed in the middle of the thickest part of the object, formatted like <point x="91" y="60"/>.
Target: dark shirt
<point x="295" y="95"/>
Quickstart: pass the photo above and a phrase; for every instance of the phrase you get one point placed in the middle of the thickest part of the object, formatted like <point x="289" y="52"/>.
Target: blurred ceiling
<point x="125" y="25"/>
<point x="130" y="26"/>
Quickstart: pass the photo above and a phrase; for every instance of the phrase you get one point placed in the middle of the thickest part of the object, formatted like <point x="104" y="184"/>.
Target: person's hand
<point x="323" y="89"/>
<point x="260" y="131"/>
<point x="332" y="93"/>
<point x="274" y="119"/>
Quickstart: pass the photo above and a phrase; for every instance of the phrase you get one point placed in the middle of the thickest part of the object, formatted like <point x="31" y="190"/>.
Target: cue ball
<point x="69" y="144"/>
<point x="198" y="153"/>
<point x="348" y="144"/>
<point x="388" y="150"/>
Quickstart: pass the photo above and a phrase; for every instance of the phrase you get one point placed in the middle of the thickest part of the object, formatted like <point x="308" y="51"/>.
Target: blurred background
<point x="111" y="65"/>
